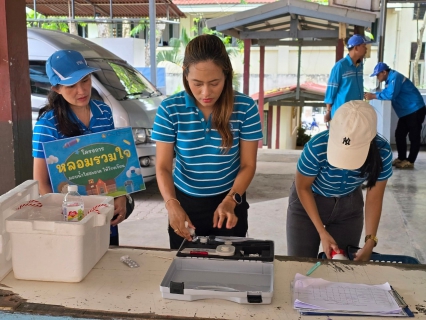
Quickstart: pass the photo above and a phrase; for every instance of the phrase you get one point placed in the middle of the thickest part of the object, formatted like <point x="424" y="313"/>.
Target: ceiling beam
<point x="295" y="43"/>
<point x="295" y="34"/>
<point x="96" y="7"/>
<point x="297" y="104"/>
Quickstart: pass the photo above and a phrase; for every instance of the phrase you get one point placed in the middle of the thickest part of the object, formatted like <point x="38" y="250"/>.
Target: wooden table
<point x="113" y="290"/>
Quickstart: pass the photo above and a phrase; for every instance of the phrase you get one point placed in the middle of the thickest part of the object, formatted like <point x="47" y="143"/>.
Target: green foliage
<point x="178" y="89"/>
<point x="139" y="28"/>
<point x="302" y="137"/>
<point x="178" y="46"/>
<point x="60" y="26"/>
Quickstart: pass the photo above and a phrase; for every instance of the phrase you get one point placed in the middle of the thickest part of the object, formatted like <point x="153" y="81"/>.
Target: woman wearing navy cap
<point x="70" y="112"/>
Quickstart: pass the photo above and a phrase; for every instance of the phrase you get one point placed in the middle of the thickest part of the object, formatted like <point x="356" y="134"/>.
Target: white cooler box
<point x="246" y="276"/>
<point x="46" y="248"/>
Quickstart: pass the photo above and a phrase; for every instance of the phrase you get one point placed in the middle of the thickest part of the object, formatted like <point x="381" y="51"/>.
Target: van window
<point x="38" y="78"/>
<point x="122" y="81"/>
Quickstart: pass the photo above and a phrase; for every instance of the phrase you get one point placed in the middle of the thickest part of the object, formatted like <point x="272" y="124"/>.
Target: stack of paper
<point x="318" y="296"/>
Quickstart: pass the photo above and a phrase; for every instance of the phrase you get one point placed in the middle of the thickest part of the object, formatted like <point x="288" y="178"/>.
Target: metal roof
<point x="120" y="8"/>
<point x="291" y="20"/>
<point x="219" y="2"/>
<point x="309" y="91"/>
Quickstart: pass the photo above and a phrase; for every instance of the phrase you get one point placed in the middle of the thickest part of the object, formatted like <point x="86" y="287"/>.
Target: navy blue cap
<point x="357" y="40"/>
<point x="381" y="66"/>
<point x="67" y="67"/>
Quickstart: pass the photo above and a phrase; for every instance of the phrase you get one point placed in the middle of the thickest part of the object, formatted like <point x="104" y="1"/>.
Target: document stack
<point x="315" y="296"/>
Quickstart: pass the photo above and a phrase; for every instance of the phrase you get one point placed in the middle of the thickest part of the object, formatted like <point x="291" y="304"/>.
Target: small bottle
<point x="73" y="205"/>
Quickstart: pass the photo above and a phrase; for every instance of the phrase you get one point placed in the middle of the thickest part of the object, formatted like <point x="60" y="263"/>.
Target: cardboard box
<point x="46" y="248"/>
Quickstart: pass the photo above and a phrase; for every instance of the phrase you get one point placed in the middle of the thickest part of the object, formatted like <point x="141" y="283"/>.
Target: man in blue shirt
<point x="346" y="81"/>
<point x="410" y="108"/>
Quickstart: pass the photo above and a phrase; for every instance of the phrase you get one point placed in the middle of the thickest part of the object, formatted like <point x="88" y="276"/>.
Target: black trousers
<point x="200" y="211"/>
<point x="343" y="218"/>
<point x="410" y="124"/>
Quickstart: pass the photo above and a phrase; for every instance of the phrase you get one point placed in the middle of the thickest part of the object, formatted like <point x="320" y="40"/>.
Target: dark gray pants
<point x="342" y="217"/>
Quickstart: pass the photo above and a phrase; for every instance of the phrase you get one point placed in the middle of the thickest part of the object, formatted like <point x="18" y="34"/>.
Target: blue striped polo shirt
<point x="202" y="168"/>
<point x="331" y="181"/>
<point x="346" y="83"/>
<point x="45" y="129"/>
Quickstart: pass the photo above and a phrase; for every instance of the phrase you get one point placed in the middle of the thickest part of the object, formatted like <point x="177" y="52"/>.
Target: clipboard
<point x="405" y="310"/>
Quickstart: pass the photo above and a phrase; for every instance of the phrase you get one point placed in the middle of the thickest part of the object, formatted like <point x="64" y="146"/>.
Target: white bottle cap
<point x="72" y="188"/>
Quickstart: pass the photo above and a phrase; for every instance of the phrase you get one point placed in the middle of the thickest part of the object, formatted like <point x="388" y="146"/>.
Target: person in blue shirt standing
<point x="70" y="112"/>
<point x="410" y="108"/>
<point x="346" y="80"/>
<point x="326" y="203"/>
<point x="214" y="133"/>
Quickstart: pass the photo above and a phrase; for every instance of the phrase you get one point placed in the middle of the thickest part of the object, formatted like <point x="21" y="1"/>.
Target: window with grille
<point x="419" y="10"/>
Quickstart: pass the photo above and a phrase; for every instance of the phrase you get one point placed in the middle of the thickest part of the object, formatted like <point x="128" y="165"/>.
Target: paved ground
<point x="401" y="231"/>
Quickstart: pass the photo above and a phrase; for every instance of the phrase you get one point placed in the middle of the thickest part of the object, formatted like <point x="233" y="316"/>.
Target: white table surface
<point x="112" y="286"/>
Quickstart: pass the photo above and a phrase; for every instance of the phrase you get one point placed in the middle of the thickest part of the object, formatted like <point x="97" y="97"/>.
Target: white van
<point x="133" y="99"/>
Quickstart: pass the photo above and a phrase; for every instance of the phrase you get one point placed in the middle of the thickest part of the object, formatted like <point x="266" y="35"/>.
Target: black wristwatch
<point x="236" y="197"/>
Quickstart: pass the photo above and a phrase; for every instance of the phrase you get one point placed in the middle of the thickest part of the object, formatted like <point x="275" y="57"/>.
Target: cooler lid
<point x="11" y="200"/>
<point x="8" y="204"/>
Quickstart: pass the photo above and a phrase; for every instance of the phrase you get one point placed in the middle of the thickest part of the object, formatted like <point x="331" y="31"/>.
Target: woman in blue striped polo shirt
<point x="214" y="133"/>
<point x="326" y="203"/>
<point x="70" y="112"/>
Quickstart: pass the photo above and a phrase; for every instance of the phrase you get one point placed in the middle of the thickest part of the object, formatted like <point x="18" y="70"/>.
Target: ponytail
<point x="373" y="165"/>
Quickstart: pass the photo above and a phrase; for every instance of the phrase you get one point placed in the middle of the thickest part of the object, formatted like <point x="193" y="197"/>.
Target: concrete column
<point x="246" y="74"/>
<point x="15" y="103"/>
<point x="261" y="88"/>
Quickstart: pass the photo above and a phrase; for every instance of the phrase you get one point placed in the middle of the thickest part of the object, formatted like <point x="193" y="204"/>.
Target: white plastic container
<point x="246" y="276"/>
<point x="46" y="248"/>
<point x="8" y="201"/>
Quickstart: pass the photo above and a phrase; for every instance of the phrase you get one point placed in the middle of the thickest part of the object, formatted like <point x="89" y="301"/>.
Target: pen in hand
<point x="316" y="265"/>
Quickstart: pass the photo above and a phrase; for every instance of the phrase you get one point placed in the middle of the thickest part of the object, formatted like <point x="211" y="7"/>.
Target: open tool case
<point x="242" y="272"/>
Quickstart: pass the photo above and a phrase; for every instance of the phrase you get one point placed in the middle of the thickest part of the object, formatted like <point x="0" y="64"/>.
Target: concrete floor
<point x="401" y="231"/>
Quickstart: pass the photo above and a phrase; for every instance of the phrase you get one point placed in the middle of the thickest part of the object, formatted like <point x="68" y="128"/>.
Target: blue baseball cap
<point x="67" y="67"/>
<point x="357" y="40"/>
<point x="381" y="66"/>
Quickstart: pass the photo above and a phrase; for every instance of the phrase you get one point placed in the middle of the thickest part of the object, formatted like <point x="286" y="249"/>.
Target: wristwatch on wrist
<point x="236" y="197"/>
<point x="374" y="238"/>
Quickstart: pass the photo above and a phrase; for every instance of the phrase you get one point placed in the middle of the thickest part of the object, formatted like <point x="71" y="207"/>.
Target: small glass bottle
<point x="73" y="205"/>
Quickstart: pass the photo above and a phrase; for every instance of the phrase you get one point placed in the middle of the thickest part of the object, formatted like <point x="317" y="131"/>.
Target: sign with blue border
<point x="103" y="163"/>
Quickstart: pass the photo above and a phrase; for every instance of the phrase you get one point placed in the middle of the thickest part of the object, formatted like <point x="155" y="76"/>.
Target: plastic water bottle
<point x="73" y="205"/>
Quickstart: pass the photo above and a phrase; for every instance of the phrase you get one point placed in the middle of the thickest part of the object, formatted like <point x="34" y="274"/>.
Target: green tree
<point x="139" y="28"/>
<point x="178" y="45"/>
<point x="31" y="14"/>
<point x="61" y="26"/>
